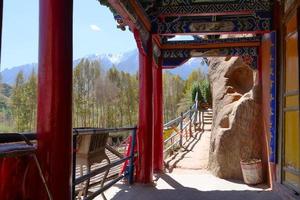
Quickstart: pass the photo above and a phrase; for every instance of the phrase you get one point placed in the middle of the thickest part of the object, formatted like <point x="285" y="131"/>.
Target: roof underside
<point x="207" y="16"/>
<point x="205" y="20"/>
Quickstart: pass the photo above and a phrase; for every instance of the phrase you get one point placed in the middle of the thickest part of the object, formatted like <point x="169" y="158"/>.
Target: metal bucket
<point x="252" y="171"/>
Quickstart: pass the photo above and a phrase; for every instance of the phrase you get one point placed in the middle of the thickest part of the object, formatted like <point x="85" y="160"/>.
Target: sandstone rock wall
<point x="237" y="130"/>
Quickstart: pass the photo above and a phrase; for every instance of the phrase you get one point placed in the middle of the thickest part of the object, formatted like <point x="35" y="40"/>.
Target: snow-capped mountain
<point x="184" y="70"/>
<point x="127" y="62"/>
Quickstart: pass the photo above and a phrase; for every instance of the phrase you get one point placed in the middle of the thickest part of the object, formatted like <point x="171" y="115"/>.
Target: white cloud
<point x="95" y="28"/>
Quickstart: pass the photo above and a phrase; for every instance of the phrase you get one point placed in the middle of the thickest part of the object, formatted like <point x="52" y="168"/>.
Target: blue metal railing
<point x="129" y="172"/>
<point x="6" y="138"/>
<point x="176" y="138"/>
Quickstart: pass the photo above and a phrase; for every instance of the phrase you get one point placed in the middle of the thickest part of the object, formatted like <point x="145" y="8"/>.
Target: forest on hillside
<point x="100" y="98"/>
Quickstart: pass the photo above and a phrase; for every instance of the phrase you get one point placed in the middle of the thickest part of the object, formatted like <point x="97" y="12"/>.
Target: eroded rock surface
<point x="236" y="131"/>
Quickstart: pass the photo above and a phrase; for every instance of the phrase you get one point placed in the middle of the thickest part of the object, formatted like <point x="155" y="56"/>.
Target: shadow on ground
<point x="179" y="192"/>
<point x="188" y="147"/>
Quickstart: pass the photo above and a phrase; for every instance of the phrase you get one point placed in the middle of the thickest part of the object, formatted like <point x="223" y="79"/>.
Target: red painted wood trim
<point x="122" y="12"/>
<point x="156" y="39"/>
<point x="54" y="113"/>
<point x="158" y="117"/>
<point x="144" y="172"/>
<point x="264" y="136"/>
<point x="143" y="18"/>
<point x="126" y="16"/>
<point x="12" y="170"/>
<point x="54" y="116"/>
<point x="1" y="22"/>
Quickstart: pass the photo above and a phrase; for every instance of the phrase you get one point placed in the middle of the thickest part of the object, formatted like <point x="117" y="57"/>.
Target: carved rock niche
<point x="237" y="130"/>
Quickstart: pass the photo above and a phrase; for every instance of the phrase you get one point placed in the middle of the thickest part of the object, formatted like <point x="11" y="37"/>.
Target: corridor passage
<point x="187" y="178"/>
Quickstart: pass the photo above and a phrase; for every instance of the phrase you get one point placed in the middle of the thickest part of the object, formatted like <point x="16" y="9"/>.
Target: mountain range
<point x="127" y="62"/>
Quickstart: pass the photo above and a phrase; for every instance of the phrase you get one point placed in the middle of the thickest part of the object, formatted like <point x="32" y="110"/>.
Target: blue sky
<point x="95" y="32"/>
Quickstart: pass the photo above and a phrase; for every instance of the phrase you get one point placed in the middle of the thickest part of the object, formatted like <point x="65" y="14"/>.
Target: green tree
<point x="196" y="75"/>
<point x="23" y="102"/>
<point x="85" y="75"/>
<point x="206" y="91"/>
<point x="173" y="87"/>
<point x="31" y="100"/>
<point x="18" y="102"/>
<point x="197" y="83"/>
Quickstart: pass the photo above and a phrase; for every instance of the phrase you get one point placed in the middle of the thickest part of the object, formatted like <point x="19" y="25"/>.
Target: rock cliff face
<point x="236" y="132"/>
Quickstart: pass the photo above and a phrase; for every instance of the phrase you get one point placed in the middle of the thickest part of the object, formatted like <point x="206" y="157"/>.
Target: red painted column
<point x="1" y="22"/>
<point x="145" y="122"/>
<point x="54" y="122"/>
<point x="12" y="170"/>
<point x="158" y="118"/>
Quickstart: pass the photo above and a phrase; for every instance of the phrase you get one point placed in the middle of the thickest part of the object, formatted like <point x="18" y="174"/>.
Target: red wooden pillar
<point x="145" y="121"/>
<point x="54" y="123"/>
<point x="12" y="170"/>
<point x="1" y="22"/>
<point x="158" y="117"/>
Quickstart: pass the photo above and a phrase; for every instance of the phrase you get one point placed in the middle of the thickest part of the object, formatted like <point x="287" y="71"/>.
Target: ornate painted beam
<point x="130" y="12"/>
<point x="129" y="16"/>
<point x="209" y="46"/>
<point x="257" y="23"/>
<point x="212" y="43"/>
<point x="140" y="12"/>
<point x="176" y="57"/>
<point x="122" y="16"/>
<point x="221" y="7"/>
<point x="188" y="53"/>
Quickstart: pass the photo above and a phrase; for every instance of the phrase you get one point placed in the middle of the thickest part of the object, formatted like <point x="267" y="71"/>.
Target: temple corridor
<point x="252" y="49"/>
<point x="187" y="177"/>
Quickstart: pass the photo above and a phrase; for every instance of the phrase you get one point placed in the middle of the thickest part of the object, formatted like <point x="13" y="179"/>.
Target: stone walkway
<point x="190" y="185"/>
<point x="196" y="152"/>
<point x="188" y="179"/>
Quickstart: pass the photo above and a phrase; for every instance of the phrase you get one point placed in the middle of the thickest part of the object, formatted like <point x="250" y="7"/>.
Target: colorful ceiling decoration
<point x="202" y="41"/>
<point x="207" y="25"/>
<point x="176" y="57"/>
<point x="173" y="7"/>
<point x="167" y="18"/>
